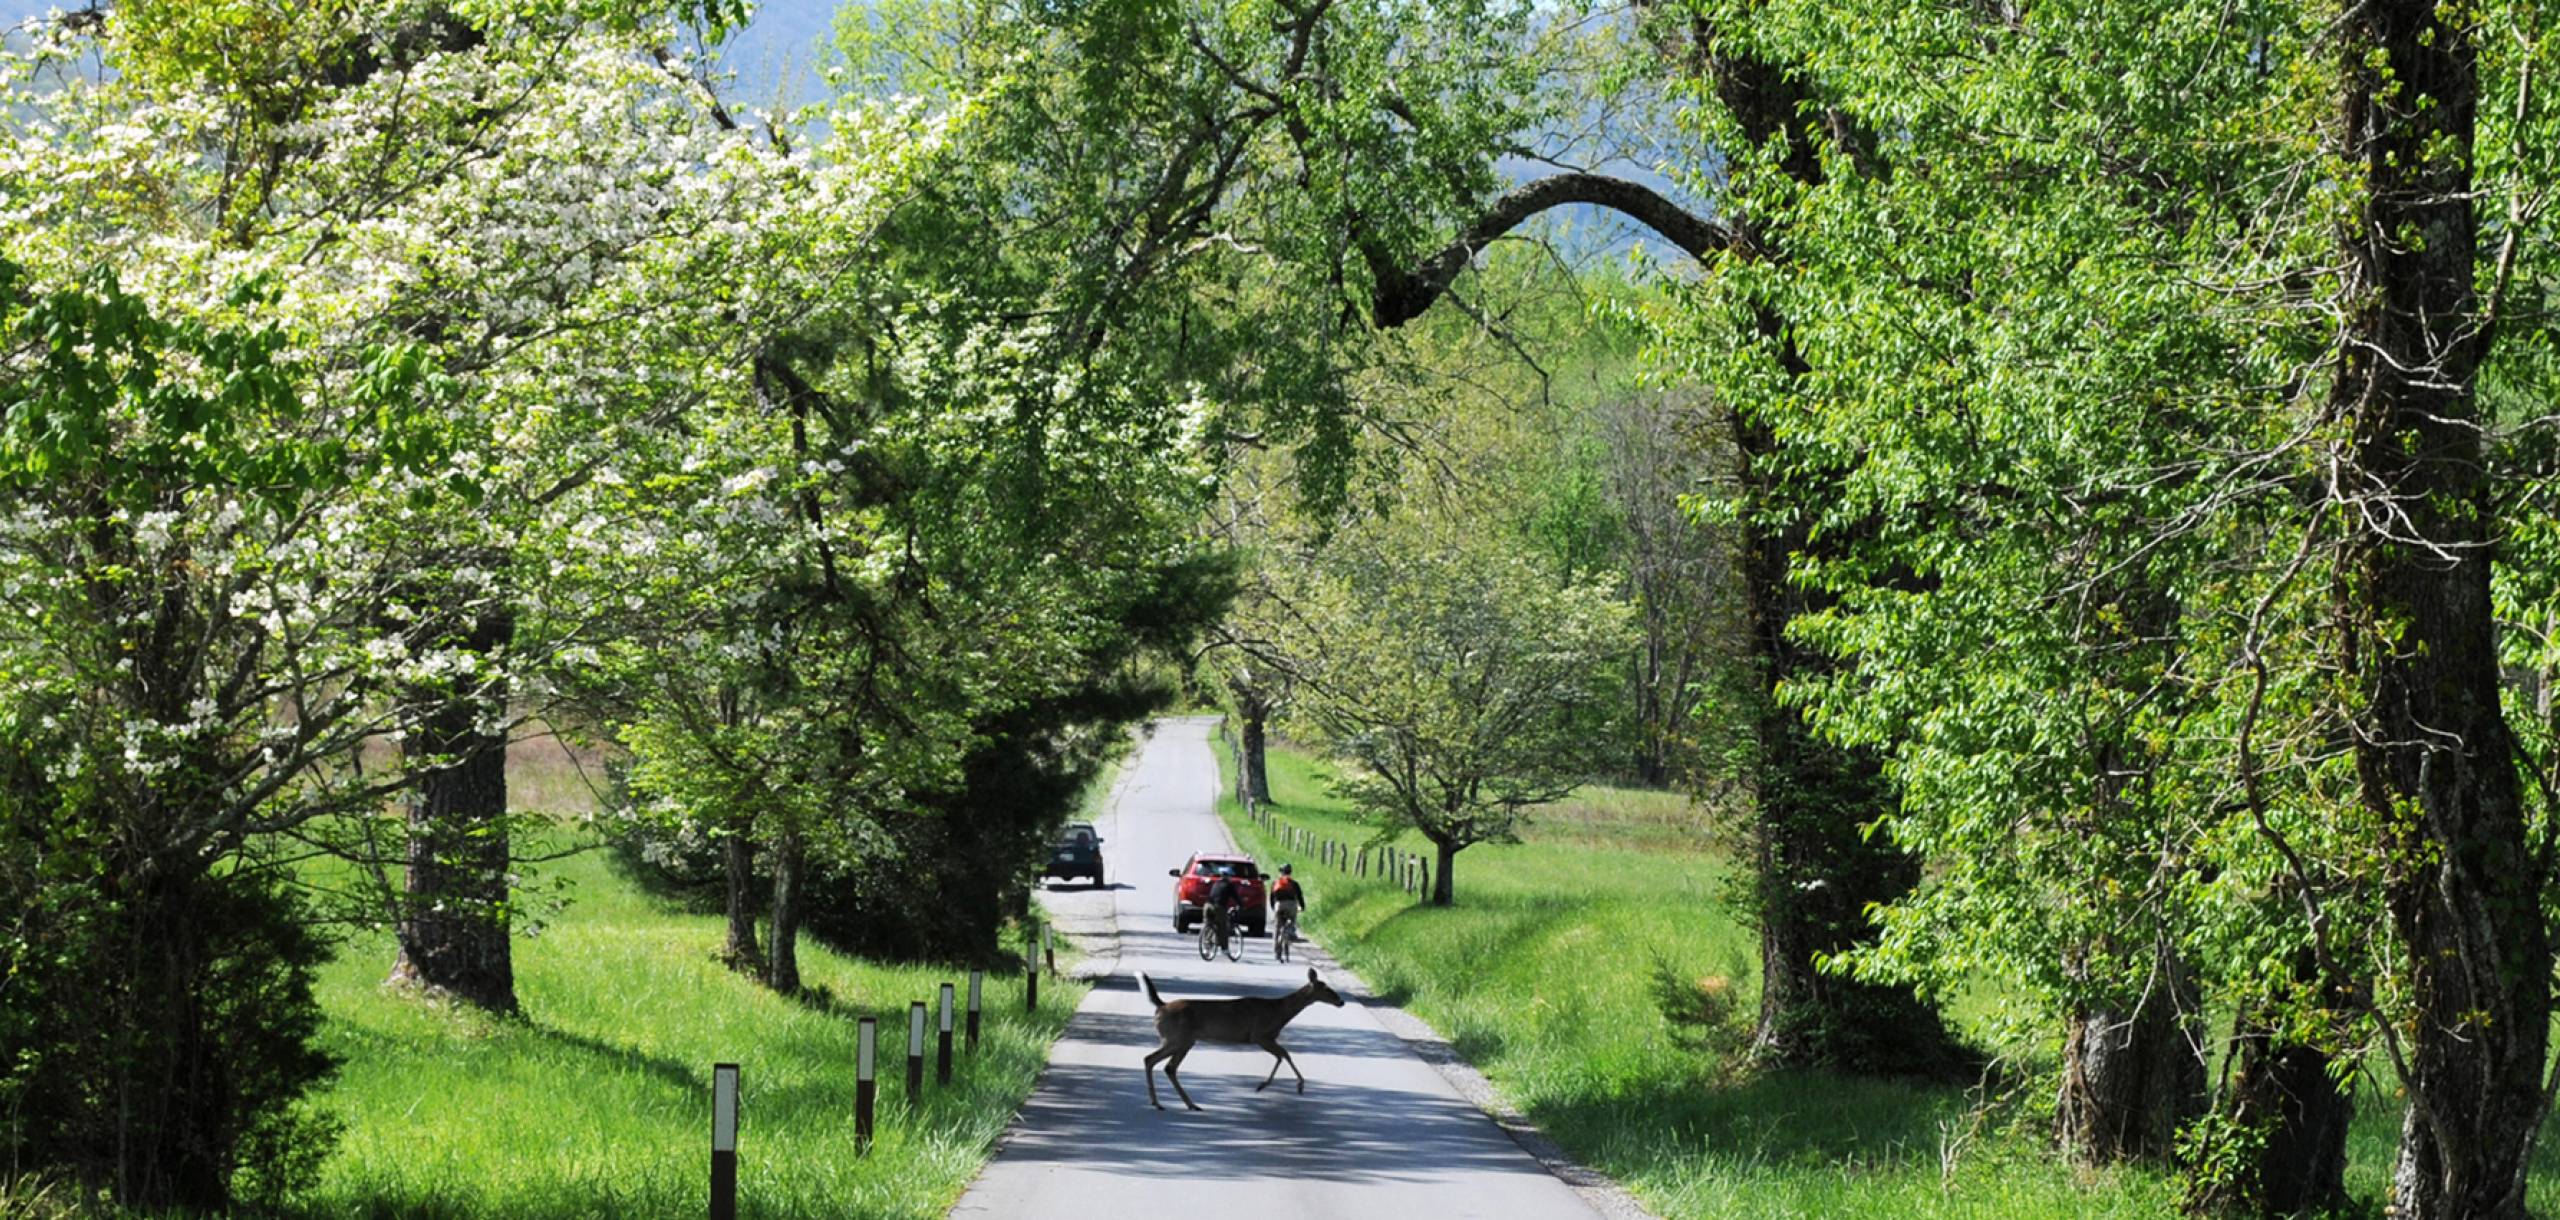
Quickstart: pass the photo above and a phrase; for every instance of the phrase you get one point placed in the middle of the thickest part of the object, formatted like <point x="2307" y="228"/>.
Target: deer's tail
<point x="1150" y="985"/>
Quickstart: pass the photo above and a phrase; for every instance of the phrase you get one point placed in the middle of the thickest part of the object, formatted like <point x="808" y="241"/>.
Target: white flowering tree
<point x="304" y="340"/>
<point x="374" y="372"/>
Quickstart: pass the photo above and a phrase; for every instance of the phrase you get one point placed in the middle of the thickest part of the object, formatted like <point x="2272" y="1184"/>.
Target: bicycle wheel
<point x="1235" y="951"/>
<point x="1208" y="938"/>
<point x="1280" y="938"/>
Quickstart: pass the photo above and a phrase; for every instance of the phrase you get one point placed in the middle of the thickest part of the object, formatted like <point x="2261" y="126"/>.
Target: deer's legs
<point x="1279" y="1055"/>
<point x="1170" y="1078"/>
<point x="1152" y="1057"/>
<point x="1171" y="1056"/>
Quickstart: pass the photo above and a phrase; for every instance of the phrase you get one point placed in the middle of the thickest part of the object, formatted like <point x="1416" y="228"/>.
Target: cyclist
<point x="1222" y="905"/>
<point x="1287" y="898"/>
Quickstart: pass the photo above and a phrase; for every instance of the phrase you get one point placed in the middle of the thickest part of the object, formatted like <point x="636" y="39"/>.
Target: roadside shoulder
<point x="1603" y="1193"/>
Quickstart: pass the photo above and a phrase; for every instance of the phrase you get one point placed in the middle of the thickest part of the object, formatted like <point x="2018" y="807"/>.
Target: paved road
<point x="1378" y="1133"/>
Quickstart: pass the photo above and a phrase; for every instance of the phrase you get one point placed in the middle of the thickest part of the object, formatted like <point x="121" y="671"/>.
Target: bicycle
<point x="1284" y="931"/>
<point x="1217" y="935"/>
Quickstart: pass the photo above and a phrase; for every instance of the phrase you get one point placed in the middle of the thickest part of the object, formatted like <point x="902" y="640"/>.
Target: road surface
<point x="1378" y="1133"/>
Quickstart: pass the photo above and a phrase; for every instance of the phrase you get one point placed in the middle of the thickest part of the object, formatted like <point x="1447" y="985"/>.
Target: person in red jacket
<point x="1287" y="899"/>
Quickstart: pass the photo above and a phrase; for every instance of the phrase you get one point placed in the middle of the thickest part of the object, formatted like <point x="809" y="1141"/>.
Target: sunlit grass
<point x="1541" y="976"/>
<point x="597" y="1101"/>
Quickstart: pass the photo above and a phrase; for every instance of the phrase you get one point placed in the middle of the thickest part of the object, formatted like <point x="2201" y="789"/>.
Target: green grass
<point x="1541" y="976"/>
<point x="597" y="1101"/>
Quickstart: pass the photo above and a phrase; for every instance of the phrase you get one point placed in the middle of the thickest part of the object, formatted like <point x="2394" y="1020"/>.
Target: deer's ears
<point x="1311" y="974"/>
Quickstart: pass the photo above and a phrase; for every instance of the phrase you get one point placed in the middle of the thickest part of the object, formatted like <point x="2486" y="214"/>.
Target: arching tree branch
<point x="1402" y="295"/>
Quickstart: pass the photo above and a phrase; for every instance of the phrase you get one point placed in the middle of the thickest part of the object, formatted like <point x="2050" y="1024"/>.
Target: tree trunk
<point x="782" y="969"/>
<point x="1653" y="731"/>
<point x="1443" y="890"/>
<point x="2131" y="1077"/>
<point x="2288" y="1105"/>
<point x="1256" y="776"/>
<point x="453" y="929"/>
<point x="1818" y="872"/>
<point x="2304" y="1166"/>
<point x="2433" y="755"/>
<point x="737" y="856"/>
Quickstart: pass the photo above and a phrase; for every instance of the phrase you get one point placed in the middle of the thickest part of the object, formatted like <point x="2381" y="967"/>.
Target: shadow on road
<point x="1332" y="1132"/>
<point x="1162" y="941"/>
<point x="1137" y="1033"/>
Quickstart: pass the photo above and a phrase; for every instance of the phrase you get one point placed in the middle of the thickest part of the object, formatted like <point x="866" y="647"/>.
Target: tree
<point x="1243" y="658"/>
<point x="2435" y="761"/>
<point x="1663" y="456"/>
<point x="901" y="566"/>
<point x="193" y="645"/>
<point x="262" y="365"/>
<point x="361" y="156"/>
<point x="1465" y="684"/>
<point x="2026" y="626"/>
<point x="2198" y="443"/>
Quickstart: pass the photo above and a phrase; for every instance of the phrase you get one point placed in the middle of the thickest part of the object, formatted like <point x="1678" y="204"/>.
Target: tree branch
<point x="1402" y="295"/>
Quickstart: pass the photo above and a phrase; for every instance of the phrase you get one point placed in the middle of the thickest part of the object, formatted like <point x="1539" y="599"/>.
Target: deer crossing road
<point x="1378" y="1132"/>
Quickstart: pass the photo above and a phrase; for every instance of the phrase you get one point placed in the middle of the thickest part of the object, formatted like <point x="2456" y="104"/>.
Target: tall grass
<point x="1542" y="976"/>
<point x="597" y="1101"/>
<point x="1543" y="973"/>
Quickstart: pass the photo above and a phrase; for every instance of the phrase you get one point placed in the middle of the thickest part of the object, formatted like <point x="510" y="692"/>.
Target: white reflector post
<point x="946" y="1008"/>
<point x="724" y="1107"/>
<point x="915" y="1052"/>
<point x="866" y="1091"/>
<point x="977" y="982"/>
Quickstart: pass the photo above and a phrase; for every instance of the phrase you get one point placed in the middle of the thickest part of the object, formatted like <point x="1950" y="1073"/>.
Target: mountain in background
<point x="776" y="57"/>
<point x="775" y="63"/>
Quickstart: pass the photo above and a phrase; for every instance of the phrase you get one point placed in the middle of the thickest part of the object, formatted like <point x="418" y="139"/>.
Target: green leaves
<point x="1462" y="677"/>
<point x="135" y="406"/>
<point x="2048" y="293"/>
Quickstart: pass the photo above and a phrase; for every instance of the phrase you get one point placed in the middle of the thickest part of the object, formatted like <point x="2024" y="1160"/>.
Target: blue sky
<point x="778" y="49"/>
<point x="776" y="60"/>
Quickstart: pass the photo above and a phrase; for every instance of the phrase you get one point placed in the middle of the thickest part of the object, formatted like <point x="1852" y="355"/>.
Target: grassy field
<point x="1541" y="976"/>
<point x="597" y="1102"/>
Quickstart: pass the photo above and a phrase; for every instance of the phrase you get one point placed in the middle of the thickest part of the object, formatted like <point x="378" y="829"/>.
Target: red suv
<point x="1191" y="889"/>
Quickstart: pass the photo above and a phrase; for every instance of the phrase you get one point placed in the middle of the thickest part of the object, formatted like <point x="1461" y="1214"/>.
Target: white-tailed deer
<point x="1255" y="1019"/>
